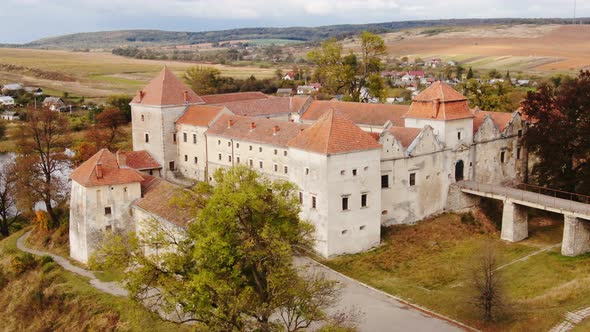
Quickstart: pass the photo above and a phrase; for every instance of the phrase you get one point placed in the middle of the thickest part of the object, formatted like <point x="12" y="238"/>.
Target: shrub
<point x="23" y="263"/>
<point x="3" y="280"/>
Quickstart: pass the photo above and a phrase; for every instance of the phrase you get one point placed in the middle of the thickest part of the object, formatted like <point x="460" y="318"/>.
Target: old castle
<point x="358" y="166"/>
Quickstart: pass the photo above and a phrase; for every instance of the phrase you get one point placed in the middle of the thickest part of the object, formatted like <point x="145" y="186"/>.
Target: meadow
<point x="96" y="74"/>
<point x="430" y="264"/>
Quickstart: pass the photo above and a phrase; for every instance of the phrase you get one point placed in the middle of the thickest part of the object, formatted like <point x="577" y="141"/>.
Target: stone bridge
<point x="576" y="232"/>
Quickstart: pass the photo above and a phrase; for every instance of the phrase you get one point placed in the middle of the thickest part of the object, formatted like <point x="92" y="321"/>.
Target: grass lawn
<point x="429" y="264"/>
<point x="45" y="297"/>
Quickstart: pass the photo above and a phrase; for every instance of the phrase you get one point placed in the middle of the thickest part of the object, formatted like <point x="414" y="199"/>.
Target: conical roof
<point x="166" y="90"/>
<point x="439" y="102"/>
<point x="333" y="134"/>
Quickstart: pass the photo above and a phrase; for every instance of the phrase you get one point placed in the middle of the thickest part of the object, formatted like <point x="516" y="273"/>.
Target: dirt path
<point x="112" y="288"/>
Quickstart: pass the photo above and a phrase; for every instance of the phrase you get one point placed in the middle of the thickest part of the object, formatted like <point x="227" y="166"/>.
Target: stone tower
<point x="154" y="111"/>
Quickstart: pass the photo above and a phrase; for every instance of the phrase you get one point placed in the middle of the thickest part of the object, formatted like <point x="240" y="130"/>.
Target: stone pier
<point x="576" y="236"/>
<point x="514" y="222"/>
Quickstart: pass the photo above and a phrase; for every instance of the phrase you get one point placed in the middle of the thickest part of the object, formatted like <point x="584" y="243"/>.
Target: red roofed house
<point x="357" y="166"/>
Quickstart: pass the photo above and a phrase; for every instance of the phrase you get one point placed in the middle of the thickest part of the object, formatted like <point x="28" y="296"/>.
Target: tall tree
<point x="470" y="73"/>
<point x="120" y="102"/>
<point x="9" y="211"/>
<point x="348" y="74"/>
<point x="234" y="271"/>
<point x="111" y="120"/>
<point x="558" y="135"/>
<point x="41" y="158"/>
<point x="486" y="283"/>
<point x="203" y="80"/>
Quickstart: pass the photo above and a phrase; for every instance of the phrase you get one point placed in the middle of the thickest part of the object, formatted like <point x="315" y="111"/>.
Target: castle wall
<point x="189" y="150"/>
<point x="148" y="224"/>
<point x="96" y="210"/>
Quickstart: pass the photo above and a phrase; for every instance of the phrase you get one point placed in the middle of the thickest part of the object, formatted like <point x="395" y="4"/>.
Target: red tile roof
<point x="260" y="107"/>
<point x="500" y="119"/>
<point x="405" y="135"/>
<point x="263" y="131"/>
<point x="166" y="89"/>
<point x="157" y="200"/>
<point x="102" y="169"/>
<point x="300" y="103"/>
<point x="359" y="113"/>
<point x="200" y="115"/>
<point x="333" y="133"/>
<point x="439" y="102"/>
<point x="233" y="97"/>
<point x="139" y="160"/>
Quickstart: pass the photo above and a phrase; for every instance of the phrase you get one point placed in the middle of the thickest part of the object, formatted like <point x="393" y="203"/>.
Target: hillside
<point x="111" y="39"/>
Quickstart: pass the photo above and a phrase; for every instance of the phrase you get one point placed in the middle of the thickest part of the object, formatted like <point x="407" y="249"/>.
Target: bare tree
<point x="41" y="158"/>
<point x="487" y="283"/>
<point x="9" y="211"/>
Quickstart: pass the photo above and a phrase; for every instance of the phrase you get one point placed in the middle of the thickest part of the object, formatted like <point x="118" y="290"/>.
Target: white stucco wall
<point x="89" y="220"/>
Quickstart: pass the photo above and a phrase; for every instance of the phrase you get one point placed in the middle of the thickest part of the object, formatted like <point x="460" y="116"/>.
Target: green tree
<point x="121" y="102"/>
<point x="500" y="97"/>
<point x="558" y="135"/>
<point x="234" y="271"/>
<point x="203" y="80"/>
<point x="347" y="73"/>
<point x="459" y="70"/>
<point x="470" y="73"/>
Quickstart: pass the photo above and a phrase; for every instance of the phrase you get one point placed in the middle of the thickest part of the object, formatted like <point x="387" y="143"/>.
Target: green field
<point x="96" y="74"/>
<point x="428" y="264"/>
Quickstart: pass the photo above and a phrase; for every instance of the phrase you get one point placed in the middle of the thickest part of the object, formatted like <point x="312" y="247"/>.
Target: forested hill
<point x="112" y="39"/>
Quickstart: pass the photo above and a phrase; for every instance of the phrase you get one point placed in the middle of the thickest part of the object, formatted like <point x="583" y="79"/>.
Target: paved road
<point x="381" y="312"/>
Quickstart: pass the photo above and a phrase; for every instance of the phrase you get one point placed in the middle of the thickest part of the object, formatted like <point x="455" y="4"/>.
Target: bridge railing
<point x="554" y="192"/>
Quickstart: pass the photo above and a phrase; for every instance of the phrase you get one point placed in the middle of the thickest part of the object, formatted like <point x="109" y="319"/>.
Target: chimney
<point x="141" y="94"/>
<point x="275" y="130"/>
<point x="252" y="125"/>
<point x="185" y="95"/>
<point x="230" y="123"/>
<point x="99" y="170"/>
<point x="435" y="107"/>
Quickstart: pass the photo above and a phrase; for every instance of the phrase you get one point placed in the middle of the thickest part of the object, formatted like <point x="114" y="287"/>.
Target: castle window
<point x="306" y="170"/>
<point x="313" y="202"/>
<point x="366" y="168"/>
<point x="147" y="138"/>
<point x="503" y="157"/>
<point x="518" y="153"/>
<point x="344" y="231"/>
<point x="238" y="160"/>
<point x="218" y="142"/>
<point x="300" y="198"/>
<point x="276" y="151"/>
<point x="107" y="210"/>
<point x="354" y="172"/>
<point x="345" y="203"/>
<point x="194" y="138"/>
<point x="185" y="157"/>
<point x="459" y="135"/>
<point x="184" y="137"/>
<point x="385" y="181"/>
<point x="364" y="200"/>
<point x="250" y="147"/>
<point x="250" y="162"/>
<point x="142" y="117"/>
<point x="412" y="179"/>
<point x="342" y="172"/>
<point x="275" y="167"/>
<point x="286" y="169"/>
<point x="519" y="132"/>
<point x="219" y="156"/>
<point x="362" y="228"/>
<point x="285" y="153"/>
<point x="260" y="164"/>
<point x="229" y="159"/>
<point x="229" y="143"/>
<point x="196" y="160"/>
<point x="237" y="145"/>
<point x="260" y="149"/>
<point x="174" y="138"/>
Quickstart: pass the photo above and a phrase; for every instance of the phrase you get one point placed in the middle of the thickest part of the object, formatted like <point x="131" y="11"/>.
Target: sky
<point x="27" y="20"/>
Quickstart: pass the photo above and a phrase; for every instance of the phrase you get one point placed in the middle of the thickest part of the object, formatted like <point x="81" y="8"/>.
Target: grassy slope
<point x="428" y="264"/>
<point x="49" y="298"/>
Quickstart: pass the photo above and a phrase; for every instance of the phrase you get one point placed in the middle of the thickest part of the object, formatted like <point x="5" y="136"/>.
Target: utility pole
<point x="575" y="4"/>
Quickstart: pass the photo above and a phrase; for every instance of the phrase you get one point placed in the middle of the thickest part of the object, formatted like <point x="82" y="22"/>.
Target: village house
<point x="54" y="103"/>
<point x="9" y="116"/>
<point x="6" y="101"/>
<point x="11" y="89"/>
<point x="358" y="166"/>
